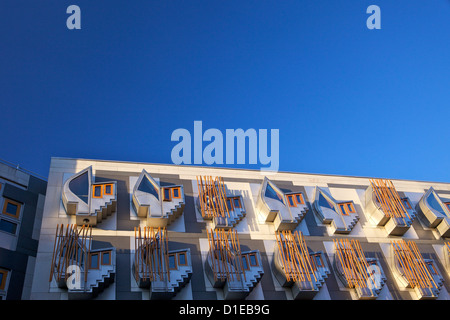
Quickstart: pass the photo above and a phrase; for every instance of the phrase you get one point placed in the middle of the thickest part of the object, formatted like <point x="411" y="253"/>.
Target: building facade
<point x="136" y="231"/>
<point x="22" y="196"/>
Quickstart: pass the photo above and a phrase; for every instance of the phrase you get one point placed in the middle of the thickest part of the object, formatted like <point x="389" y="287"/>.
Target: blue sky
<point x="347" y="100"/>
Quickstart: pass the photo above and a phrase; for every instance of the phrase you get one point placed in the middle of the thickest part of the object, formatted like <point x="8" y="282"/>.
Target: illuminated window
<point x="299" y="198"/>
<point x="108" y="189"/>
<point x="176" y="192"/>
<point x="11" y="208"/>
<point x="97" y="191"/>
<point x="291" y="200"/>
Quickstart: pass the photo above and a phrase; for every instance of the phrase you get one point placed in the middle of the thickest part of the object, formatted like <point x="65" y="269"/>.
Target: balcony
<point x="387" y="209"/>
<point x="224" y="211"/>
<point x="156" y="268"/>
<point x="284" y="210"/>
<point x="159" y="206"/>
<point x="340" y="216"/>
<point x="296" y="267"/>
<point x="435" y="211"/>
<point x="91" y="202"/>
<point x="226" y="267"/>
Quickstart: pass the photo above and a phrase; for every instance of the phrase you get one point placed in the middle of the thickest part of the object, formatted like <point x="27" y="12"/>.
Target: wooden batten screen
<point x="414" y="268"/>
<point x="72" y="246"/>
<point x="151" y="258"/>
<point x="297" y="262"/>
<point x="354" y="264"/>
<point x="389" y="199"/>
<point x="212" y="197"/>
<point x="225" y="255"/>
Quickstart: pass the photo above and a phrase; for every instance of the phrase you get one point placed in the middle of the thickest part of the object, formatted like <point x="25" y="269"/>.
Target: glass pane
<point x="148" y="187"/>
<point x="433" y="202"/>
<point x="94" y="261"/>
<point x="299" y="199"/>
<point x="237" y="203"/>
<point x="98" y="191"/>
<point x="105" y="258"/>
<point x="8" y="226"/>
<point x="229" y="205"/>
<point x="167" y="194"/>
<point x="182" y="257"/>
<point x="253" y="261"/>
<point x="323" y="202"/>
<point x="244" y="262"/>
<point x="342" y="207"/>
<point x="349" y="207"/>
<point x="11" y="208"/>
<point x="172" y="264"/>
<point x="1" y="278"/>
<point x="108" y="189"/>
<point x="80" y="186"/>
<point x="176" y="193"/>
<point x="272" y="194"/>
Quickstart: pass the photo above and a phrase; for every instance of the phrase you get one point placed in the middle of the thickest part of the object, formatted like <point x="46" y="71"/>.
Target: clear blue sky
<point x="347" y="100"/>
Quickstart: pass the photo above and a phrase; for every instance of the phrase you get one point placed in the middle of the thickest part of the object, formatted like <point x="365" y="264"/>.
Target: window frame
<point x="318" y="256"/>
<point x="4" y="281"/>
<point x="238" y="199"/>
<point x="112" y="189"/>
<point x="94" y="186"/>
<point x="250" y="260"/>
<point x="406" y="203"/>
<point x="16" y="223"/>
<point x="179" y="192"/>
<point x="175" y="260"/>
<point x="109" y="260"/>
<point x="165" y="198"/>
<point x="185" y="259"/>
<point x="302" y="202"/>
<point x="245" y="266"/>
<point x="90" y="260"/>
<point x="292" y="202"/>
<point x="13" y="202"/>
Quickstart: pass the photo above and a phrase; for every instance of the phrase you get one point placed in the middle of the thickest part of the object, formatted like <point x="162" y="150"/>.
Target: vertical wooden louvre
<point x="72" y="246"/>
<point x="151" y="257"/>
<point x="297" y="262"/>
<point x="389" y="199"/>
<point x="212" y="197"/>
<point x="225" y="255"/>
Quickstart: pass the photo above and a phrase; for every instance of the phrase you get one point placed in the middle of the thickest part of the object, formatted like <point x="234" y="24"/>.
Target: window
<point x="8" y="226"/>
<point x="11" y="208"/>
<point x="3" y="278"/>
<point x="318" y="260"/>
<point x="172" y="262"/>
<point x="291" y="200"/>
<point x="299" y="198"/>
<point x="176" y="193"/>
<point x="237" y="202"/>
<point x="147" y="186"/>
<point x="80" y="186"/>
<point x="229" y="205"/>
<point x="93" y="261"/>
<point x="347" y="208"/>
<point x="253" y="260"/>
<point x="97" y="191"/>
<point x="167" y="194"/>
<point x="108" y="189"/>
<point x="432" y="268"/>
<point x="182" y="261"/>
<point x="273" y="194"/>
<point x="245" y="262"/>
<point x="106" y="258"/>
<point x="406" y="204"/>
